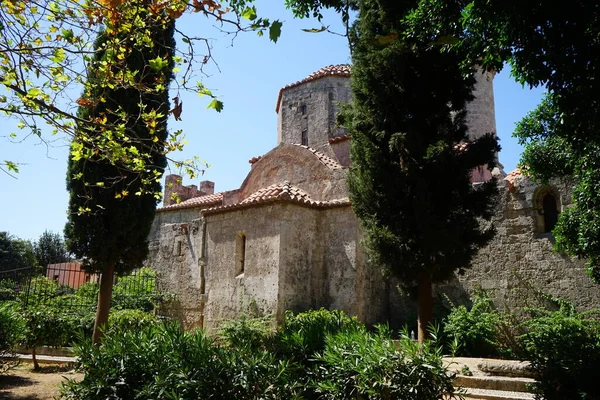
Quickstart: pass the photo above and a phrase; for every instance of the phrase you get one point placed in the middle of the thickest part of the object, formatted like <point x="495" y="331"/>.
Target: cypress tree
<point x="411" y="158"/>
<point x="111" y="208"/>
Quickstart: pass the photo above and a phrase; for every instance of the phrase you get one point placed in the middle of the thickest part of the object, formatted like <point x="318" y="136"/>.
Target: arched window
<point x="550" y="212"/>
<point x="547" y="206"/>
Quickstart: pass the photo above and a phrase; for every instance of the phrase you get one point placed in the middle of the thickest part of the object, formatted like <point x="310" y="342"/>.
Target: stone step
<point x="505" y="383"/>
<point x="486" y="394"/>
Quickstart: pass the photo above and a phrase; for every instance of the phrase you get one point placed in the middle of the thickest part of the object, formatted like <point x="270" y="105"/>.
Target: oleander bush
<point x="314" y="355"/>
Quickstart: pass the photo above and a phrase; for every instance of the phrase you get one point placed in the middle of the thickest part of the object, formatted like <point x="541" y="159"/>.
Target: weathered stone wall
<point x="302" y="275"/>
<point x="321" y="97"/>
<point x="255" y="291"/>
<point x="174" y="255"/>
<point x="520" y="261"/>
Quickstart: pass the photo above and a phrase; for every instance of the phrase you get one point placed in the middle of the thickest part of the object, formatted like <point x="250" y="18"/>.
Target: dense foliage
<point x="481" y="330"/>
<point x="46" y="46"/>
<point x="107" y="227"/>
<point x="50" y="248"/>
<point x="562" y="344"/>
<point x="12" y="332"/>
<point x="411" y="158"/>
<point x="564" y="349"/>
<point x="15" y="253"/>
<point x="315" y="355"/>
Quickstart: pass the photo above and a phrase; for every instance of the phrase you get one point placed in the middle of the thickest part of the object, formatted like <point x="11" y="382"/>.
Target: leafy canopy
<point x="45" y="49"/>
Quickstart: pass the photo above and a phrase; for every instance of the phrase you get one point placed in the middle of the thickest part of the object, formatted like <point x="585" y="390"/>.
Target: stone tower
<point x="306" y="110"/>
<point x="481" y="115"/>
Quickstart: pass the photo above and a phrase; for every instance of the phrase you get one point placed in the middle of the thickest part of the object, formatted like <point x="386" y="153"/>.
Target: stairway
<point x="487" y="379"/>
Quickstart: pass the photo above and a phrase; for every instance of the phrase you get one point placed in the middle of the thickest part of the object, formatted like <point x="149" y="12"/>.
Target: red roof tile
<point x="328" y="161"/>
<point x="338" y="139"/>
<point x="330" y="70"/>
<point x="512" y="177"/>
<point x="279" y="192"/>
<point x="208" y="200"/>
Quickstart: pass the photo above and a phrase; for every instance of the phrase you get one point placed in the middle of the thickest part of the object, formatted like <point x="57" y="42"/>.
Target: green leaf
<point x="275" y="31"/>
<point x="249" y="13"/>
<point x="217" y="105"/>
<point x="11" y="166"/>
<point x="158" y="64"/>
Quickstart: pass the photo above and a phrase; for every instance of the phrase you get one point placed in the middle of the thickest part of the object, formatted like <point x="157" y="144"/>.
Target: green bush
<point x="163" y="362"/>
<point x="564" y="349"/>
<point x="481" y="331"/>
<point x="12" y="332"/>
<point x="314" y="355"/>
<point x="130" y="320"/>
<point x="8" y="290"/>
<point x="253" y="333"/>
<point x="302" y="335"/>
<point x="358" y="365"/>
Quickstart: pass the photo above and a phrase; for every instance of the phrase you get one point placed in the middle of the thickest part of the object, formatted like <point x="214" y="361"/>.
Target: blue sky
<point x="252" y="70"/>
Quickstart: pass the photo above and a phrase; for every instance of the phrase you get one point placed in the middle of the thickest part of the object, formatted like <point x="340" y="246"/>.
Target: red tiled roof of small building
<point x="330" y="70"/>
<point x="207" y="200"/>
<point x="254" y="159"/>
<point x="512" y="177"/>
<point x="328" y="161"/>
<point x="279" y="192"/>
<point x="338" y="139"/>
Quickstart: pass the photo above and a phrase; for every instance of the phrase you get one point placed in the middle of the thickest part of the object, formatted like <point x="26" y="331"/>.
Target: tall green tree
<point x="15" y="253"/>
<point x="50" y="248"/>
<point x="410" y="180"/>
<point x="557" y="48"/>
<point x="111" y="209"/>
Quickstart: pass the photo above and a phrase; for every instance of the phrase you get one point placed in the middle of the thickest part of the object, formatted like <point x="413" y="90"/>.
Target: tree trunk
<point x="104" y="297"/>
<point x="36" y="364"/>
<point x="425" y="305"/>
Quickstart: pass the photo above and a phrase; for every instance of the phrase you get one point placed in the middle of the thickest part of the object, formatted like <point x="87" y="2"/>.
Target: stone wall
<point x="175" y="255"/>
<point x="321" y="98"/>
<point x="254" y="292"/>
<point x="520" y="261"/>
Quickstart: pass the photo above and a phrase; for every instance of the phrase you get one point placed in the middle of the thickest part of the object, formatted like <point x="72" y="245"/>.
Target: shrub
<point x="12" y="332"/>
<point x="302" y="335"/>
<point x="130" y="320"/>
<point x="164" y="362"/>
<point x="247" y="332"/>
<point x="340" y="360"/>
<point x="358" y="365"/>
<point x="564" y="349"/>
<point x="481" y="331"/>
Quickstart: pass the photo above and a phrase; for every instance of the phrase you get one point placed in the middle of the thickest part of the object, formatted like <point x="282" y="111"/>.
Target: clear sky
<point x="251" y="72"/>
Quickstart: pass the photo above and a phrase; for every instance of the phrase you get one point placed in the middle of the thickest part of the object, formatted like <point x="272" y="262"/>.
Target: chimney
<point x="207" y="187"/>
<point x="172" y="184"/>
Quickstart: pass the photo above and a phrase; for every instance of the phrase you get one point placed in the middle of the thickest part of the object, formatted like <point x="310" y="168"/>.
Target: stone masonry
<point x="287" y="239"/>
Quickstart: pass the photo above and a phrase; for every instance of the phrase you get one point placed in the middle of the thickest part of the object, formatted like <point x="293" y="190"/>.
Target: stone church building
<point x="288" y="239"/>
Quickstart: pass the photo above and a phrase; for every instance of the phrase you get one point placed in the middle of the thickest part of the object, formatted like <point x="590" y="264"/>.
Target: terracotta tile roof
<point x="328" y="161"/>
<point x="208" y="200"/>
<point x="285" y="190"/>
<point x="330" y="70"/>
<point x="512" y="177"/>
<point x="279" y="192"/>
<point x="254" y="159"/>
<point x="338" y="139"/>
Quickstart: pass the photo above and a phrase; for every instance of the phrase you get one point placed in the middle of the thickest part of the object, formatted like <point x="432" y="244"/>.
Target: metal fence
<point x="66" y="286"/>
<point x="14" y="283"/>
